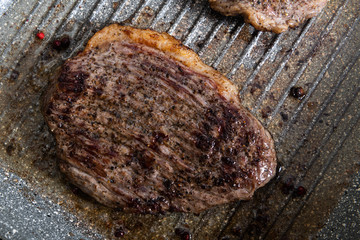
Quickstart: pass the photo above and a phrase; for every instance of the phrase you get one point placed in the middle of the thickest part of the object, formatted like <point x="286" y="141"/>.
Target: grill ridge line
<point x="244" y="54"/>
<point x="88" y="14"/>
<point x="111" y="15"/>
<point x="297" y="76"/>
<point x="274" y="77"/>
<point x="137" y="13"/>
<point x="328" y="135"/>
<point x="264" y="59"/>
<point x="49" y="35"/>
<point x="305" y="29"/>
<point x="88" y="32"/>
<point x="180" y="16"/>
<point x="10" y="8"/>
<point x="116" y="12"/>
<point x="203" y="10"/>
<point x="120" y="7"/>
<point x="189" y="39"/>
<point x="211" y="35"/>
<point x="215" y="62"/>
<point x="161" y="13"/>
<point x="317" y="80"/>
<point x="45" y="18"/>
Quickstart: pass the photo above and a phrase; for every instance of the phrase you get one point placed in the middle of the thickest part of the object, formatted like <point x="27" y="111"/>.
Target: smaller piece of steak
<point x="270" y="15"/>
<point x="141" y="123"/>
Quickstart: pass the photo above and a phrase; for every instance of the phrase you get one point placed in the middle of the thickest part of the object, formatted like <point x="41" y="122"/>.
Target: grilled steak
<point x="270" y="15"/>
<point x="141" y="123"/>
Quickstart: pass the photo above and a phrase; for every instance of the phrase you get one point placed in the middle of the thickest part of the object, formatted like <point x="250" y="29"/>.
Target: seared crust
<point x="270" y="15"/>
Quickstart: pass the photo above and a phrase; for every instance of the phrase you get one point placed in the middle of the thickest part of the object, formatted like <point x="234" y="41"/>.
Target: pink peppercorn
<point x="40" y="35"/>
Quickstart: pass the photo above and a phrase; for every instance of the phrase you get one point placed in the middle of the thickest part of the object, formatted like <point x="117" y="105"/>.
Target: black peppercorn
<point x="297" y="92"/>
<point x="62" y="43"/>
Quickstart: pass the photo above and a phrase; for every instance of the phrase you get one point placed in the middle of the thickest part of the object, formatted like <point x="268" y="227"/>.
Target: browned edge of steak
<point x="270" y="15"/>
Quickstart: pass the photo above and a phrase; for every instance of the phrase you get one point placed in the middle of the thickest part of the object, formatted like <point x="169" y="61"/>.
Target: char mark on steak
<point x="270" y="15"/>
<point x="141" y="123"/>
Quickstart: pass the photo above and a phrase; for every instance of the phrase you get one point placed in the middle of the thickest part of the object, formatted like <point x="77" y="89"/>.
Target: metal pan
<point x="316" y="137"/>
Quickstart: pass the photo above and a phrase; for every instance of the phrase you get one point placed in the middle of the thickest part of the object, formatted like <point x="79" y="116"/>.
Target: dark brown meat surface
<point x="270" y="15"/>
<point x="141" y="123"/>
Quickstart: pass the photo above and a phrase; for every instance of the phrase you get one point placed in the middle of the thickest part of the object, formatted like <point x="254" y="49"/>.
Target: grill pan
<point x="317" y="138"/>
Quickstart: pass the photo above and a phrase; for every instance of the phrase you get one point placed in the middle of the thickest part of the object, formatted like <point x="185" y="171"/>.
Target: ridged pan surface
<point x="317" y="137"/>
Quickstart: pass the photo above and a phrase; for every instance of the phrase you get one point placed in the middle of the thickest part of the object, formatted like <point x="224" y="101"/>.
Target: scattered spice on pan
<point x="62" y="43"/>
<point x="183" y="233"/>
<point x="297" y="92"/>
<point x="40" y="35"/>
<point x="300" y="191"/>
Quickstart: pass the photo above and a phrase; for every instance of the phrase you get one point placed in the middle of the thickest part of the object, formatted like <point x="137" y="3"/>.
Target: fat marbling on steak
<point x="270" y="15"/>
<point x="142" y="124"/>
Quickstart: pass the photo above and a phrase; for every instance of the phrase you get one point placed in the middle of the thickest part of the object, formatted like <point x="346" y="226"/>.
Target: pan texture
<point x="303" y="86"/>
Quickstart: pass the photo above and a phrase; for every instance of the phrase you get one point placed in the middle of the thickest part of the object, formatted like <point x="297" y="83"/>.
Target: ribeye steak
<point x="270" y="15"/>
<point x="142" y="124"/>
